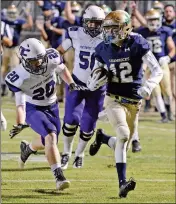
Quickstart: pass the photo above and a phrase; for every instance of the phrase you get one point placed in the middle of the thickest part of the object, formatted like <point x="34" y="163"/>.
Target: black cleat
<point x="136" y="147"/>
<point x="25" y="153"/>
<point x="61" y="182"/>
<point x="95" y="146"/>
<point x="78" y="162"/>
<point x="64" y="161"/>
<point x="126" y="187"/>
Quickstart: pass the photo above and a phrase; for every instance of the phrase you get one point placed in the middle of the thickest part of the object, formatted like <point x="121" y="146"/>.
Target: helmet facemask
<point x="92" y="27"/>
<point x="154" y="24"/>
<point x="37" y="66"/>
<point x="12" y="14"/>
<point x="116" y="33"/>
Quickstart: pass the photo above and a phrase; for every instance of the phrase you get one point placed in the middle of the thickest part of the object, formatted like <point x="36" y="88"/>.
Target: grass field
<point x="153" y="168"/>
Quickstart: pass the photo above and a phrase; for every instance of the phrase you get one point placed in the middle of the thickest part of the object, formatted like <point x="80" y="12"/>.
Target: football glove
<point x="76" y="87"/>
<point x="17" y="129"/>
<point x="164" y="60"/>
<point x="144" y="92"/>
<point x="93" y="83"/>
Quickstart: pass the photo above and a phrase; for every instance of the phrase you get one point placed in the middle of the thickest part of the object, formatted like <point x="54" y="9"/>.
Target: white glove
<point x="93" y="83"/>
<point x="164" y="60"/>
<point x="144" y="92"/>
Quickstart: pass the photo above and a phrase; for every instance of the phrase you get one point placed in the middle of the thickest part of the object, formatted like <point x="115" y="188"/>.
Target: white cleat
<point x="61" y="185"/>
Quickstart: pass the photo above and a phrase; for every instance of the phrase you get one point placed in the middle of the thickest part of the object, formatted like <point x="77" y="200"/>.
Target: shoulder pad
<point x="16" y="77"/>
<point x="54" y="56"/>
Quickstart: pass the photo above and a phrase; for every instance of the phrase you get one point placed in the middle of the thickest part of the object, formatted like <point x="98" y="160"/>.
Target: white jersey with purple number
<point x="84" y="46"/>
<point x="39" y="89"/>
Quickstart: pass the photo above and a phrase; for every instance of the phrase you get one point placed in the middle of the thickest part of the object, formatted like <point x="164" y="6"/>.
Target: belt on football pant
<point x="123" y="100"/>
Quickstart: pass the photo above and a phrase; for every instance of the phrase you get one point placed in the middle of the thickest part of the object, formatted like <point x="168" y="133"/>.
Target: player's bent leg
<point x="160" y="103"/>
<point x="79" y="153"/>
<point x="69" y="131"/>
<point x="167" y="91"/>
<point x="101" y="138"/>
<point x="53" y="157"/>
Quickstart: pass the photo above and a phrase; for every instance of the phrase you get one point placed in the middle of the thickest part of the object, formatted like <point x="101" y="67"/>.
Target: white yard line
<point x="78" y="180"/>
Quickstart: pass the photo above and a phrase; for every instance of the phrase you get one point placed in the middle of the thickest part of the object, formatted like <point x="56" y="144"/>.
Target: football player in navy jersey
<point x="16" y="25"/>
<point x="160" y="39"/>
<point x="169" y="16"/>
<point x="122" y="54"/>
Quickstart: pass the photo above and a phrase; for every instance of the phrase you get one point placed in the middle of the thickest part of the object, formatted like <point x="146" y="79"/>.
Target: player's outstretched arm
<point x="155" y="77"/>
<point x="20" y="114"/>
<point x="66" y="76"/>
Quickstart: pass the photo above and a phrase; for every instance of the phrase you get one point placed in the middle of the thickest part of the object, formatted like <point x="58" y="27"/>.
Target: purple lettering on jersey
<point x="23" y="50"/>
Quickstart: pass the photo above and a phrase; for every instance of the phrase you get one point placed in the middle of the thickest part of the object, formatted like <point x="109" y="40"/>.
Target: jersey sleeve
<point x="99" y="62"/>
<point x="54" y="57"/>
<point x="140" y="47"/>
<point x="98" y="51"/>
<point x="14" y="81"/>
<point x="168" y="31"/>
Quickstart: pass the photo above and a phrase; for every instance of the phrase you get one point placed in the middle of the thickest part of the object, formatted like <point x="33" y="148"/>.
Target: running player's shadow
<point x="26" y="169"/>
<point x="52" y="192"/>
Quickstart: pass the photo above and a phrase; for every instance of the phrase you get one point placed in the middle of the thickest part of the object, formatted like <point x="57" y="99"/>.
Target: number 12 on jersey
<point x="86" y="60"/>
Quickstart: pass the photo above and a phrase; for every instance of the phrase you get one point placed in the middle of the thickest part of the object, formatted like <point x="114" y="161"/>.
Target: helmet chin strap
<point x="119" y="43"/>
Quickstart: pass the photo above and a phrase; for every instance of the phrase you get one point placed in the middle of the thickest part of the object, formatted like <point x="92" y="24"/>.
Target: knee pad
<point x="69" y="130"/>
<point x="86" y="136"/>
<point x="123" y="133"/>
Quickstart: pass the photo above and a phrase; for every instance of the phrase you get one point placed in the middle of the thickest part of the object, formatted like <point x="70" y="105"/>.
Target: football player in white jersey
<point x="34" y="84"/>
<point x="82" y="107"/>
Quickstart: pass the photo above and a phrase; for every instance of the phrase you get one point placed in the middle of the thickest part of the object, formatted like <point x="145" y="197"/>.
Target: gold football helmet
<point x="12" y="13"/>
<point x="75" y="7"/>
<point x="153" y="18"/>
<point x="158" y="6"/>
<point x="116" y="27"/>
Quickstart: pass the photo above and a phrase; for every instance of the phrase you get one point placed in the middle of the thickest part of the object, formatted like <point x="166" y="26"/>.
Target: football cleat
<point x="95" y="146"/>
<point x="64" y="161"/>
<point x="126" y="187"/>
<point x="25" y="153"/>
<point x="61" y="182"/>
<point x="136" y="147"/>
<point x="78" y="162"/>
<point x="163" y="120"/>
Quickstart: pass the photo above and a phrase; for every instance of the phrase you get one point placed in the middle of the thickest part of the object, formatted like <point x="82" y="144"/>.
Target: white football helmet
<point x="92" y="20"/>
<point x="32" y="54"/>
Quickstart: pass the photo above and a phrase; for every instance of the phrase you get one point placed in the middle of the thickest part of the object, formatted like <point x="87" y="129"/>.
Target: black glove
<point x="76" y="87"/>
<point x="17" y="129"/>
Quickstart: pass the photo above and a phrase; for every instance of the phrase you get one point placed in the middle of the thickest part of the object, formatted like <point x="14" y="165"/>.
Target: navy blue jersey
<point x="173" y="27"/>
<point x="16" y="28"/>
<point x="157" y="40"/>
<point x="78" y="21"/>
<point x="124" y="65"/>
<point x="54" y="38"/>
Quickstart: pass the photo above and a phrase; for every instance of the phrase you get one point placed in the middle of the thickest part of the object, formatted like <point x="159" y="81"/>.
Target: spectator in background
<point x="57" y="6"/>
<point x="16" y="25"/>
<point x="72" y="14"/>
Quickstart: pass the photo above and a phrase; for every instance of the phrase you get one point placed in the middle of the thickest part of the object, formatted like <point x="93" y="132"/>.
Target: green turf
<point x="153" y="168"/>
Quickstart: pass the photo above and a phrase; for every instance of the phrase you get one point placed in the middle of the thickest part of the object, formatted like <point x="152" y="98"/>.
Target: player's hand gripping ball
<point x="98" y="78"/>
